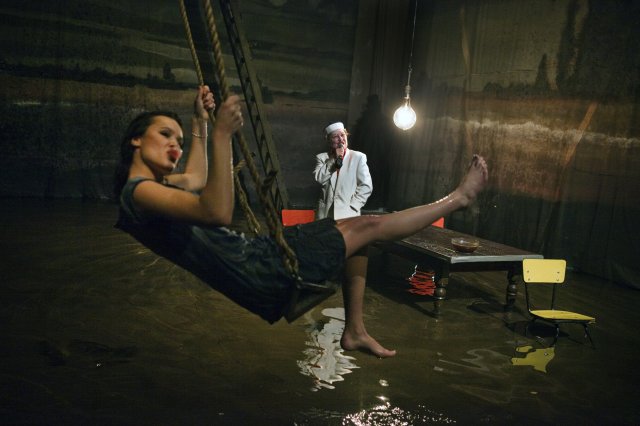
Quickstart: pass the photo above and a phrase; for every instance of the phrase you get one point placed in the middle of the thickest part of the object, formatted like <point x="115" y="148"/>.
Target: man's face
<point x="338" y="139"/>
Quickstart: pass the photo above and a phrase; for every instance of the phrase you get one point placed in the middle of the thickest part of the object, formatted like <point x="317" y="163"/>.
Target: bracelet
<point x="200" y="124"/>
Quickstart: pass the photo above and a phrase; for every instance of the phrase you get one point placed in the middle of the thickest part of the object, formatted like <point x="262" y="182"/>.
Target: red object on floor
<point x="295" y="217"/>
<point x="422" y="283"/>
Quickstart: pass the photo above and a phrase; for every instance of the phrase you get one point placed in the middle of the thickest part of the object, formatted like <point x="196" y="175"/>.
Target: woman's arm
<point x="195" y="174"/>
<point x="214" y="205"/>
<point x="218" y="193"/>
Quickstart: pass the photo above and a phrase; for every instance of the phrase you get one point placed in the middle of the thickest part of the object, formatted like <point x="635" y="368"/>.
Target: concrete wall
<point x="73" y="73"/>
<point x="547" y="90"/>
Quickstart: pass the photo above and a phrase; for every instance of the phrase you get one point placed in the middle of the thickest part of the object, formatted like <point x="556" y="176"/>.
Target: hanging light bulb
<point x="405" y="117"/>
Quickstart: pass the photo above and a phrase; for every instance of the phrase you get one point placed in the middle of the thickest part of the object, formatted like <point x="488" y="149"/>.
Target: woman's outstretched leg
<point x="360" y="231"/>
<point x="363" y="230"/>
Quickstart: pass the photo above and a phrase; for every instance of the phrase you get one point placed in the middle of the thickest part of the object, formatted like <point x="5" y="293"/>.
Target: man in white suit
<point x="344" y="176"/>
<point x="346" y="186"/>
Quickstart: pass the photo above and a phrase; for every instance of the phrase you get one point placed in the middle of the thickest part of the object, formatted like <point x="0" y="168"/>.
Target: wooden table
<point x="431" y="248"/>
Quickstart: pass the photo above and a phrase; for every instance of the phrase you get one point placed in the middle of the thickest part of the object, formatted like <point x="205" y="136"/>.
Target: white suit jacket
<point x="348" y="190"/>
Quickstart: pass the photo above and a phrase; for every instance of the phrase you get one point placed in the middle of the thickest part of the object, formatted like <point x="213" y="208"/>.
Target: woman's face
<point x="160" y="147"/>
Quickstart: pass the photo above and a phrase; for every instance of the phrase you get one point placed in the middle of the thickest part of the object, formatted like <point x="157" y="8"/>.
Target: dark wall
<point x="546" y="90"/>
<point x="74" y="72"/>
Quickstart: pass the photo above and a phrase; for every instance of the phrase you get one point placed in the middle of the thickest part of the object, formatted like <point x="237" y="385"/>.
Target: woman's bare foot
<point x="365" y="343"/>
<point x="474" y="181"/>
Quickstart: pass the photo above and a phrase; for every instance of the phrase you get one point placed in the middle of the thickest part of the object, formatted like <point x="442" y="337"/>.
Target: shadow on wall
<point x="373" y="134"/>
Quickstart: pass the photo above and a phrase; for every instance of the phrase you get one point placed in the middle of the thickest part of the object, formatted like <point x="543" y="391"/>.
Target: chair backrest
<point x="544" y="271"/>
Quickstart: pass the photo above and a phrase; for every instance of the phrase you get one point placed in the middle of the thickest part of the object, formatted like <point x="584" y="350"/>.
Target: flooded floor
<point x="98" y="330"/>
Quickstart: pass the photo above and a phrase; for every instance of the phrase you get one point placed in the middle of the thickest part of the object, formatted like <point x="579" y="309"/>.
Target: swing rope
<point x="242" y="197"/>
<point x="262" y="188"/>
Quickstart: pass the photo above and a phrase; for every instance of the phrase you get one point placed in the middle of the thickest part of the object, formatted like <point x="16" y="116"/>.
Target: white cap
<point x="333" y="127"/>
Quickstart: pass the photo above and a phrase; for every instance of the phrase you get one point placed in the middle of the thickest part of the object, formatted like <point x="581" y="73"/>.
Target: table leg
<point x="512" y="289"/>
<point x="441" y="279"/>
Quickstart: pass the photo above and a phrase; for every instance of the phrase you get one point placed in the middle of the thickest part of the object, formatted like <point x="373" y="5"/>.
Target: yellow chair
<point x="550" y="272"/>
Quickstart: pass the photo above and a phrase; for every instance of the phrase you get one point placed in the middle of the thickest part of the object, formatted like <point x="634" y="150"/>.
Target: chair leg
<point x="540" y="339"/>
<point x="526" y="329"/>
<point x="588" y="334"/>
<point x="555" y="338"/>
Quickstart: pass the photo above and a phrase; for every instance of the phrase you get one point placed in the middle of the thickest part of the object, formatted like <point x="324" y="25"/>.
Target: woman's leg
<point x="358" y="232"/>
<point x="355" y="335"/>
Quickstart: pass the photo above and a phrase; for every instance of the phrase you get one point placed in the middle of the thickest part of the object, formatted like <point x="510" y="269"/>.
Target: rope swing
<point x="262" y="187"/>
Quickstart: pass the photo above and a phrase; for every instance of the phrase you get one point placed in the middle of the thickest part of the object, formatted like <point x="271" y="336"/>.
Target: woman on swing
<point x="183" y="217"/>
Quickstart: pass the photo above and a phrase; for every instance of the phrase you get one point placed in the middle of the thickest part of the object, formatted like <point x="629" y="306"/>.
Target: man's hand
<point x="339" y="151"/>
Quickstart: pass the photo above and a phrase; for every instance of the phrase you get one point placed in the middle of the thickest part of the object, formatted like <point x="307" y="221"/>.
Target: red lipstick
<point x="175" y="154"/>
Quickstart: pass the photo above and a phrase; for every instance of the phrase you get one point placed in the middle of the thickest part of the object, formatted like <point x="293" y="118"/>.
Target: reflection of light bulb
<point x="405" y="116"/>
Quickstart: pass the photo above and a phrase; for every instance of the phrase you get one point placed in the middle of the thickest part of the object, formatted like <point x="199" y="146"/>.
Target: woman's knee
<point x="360" y="226"/>
<point x="371" y="223"/>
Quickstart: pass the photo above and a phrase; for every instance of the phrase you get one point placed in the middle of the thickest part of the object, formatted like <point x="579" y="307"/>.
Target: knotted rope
<point x="262" y="189"/>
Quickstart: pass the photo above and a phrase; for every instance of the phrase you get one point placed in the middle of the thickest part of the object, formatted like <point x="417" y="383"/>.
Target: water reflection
<point x="324" y="360"/>
<point x="385" y="414"/>
<point x="537" y="358"/>
<point x="85" y="354"/>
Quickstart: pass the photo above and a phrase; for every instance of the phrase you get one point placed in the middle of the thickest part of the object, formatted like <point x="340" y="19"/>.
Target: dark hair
<point x="136" y="128"/>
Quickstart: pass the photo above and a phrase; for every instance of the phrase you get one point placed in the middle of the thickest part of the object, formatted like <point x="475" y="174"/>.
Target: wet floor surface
<point x="98" y="330"/>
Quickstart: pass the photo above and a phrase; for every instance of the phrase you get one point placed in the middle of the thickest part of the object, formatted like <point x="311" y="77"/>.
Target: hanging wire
<point x="413" y="35"/>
